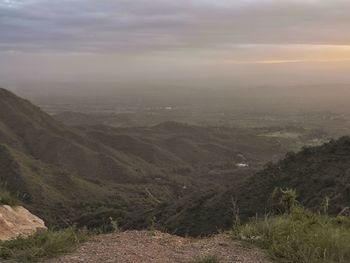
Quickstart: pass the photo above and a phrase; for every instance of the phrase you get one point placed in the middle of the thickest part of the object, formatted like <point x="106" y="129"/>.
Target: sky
<point x="185" y="42"/>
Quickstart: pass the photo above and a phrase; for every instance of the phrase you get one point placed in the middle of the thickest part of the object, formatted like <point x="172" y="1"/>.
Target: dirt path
<point x="146" y="247"/>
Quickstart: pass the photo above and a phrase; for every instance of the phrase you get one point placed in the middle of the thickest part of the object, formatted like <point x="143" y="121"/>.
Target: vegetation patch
<point x="7" y="199"/>
<point x="42" y="245"/>
<point x="300" y="236"/>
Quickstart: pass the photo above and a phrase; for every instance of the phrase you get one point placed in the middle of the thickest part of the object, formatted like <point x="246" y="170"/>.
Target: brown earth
<point x="149" y="247"/>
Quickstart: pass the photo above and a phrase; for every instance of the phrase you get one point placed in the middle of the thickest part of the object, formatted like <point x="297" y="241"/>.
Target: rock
<point x="18" y="221"/>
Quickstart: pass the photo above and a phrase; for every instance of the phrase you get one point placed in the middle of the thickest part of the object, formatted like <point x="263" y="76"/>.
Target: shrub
<point x="300" y="236"/>
<point x="289" y="199"/>
<point x="42" y="245"/>
<point x="7" y="199"/>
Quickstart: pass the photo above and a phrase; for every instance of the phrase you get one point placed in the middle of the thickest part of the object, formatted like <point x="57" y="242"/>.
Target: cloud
<point x="156" y="25"/>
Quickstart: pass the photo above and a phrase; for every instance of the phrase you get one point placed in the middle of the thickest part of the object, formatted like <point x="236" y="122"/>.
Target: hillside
<point x="87" y="174"/>
<point x="176" y="177"/>
<point x="316" y="173"/>
<point x="26" y="128"/>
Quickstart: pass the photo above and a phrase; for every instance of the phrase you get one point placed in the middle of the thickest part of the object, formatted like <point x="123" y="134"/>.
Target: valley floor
<point x="149" y="247"/>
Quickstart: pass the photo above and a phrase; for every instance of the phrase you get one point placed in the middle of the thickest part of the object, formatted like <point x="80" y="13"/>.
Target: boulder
<point x="18" y="221"/>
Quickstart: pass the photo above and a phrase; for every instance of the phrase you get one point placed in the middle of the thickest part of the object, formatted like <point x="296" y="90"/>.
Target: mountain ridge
<point x="88" y="174"/>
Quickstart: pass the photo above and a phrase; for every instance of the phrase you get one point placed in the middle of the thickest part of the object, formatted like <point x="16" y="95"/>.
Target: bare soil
<point x="157" y="247"/>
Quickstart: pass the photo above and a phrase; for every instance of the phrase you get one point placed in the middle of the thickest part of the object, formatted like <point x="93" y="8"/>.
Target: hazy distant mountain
<point x="112" y="98"/>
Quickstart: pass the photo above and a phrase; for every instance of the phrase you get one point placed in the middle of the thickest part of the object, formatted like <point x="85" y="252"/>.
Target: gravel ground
<point x="147" y="247"/>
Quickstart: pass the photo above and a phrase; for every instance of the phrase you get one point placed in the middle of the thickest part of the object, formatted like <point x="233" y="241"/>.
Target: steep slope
<point x="316" y="173"/>
<point x="26" y="128"/>
<point x="62" y="174"/>
<point x="46" y="190"/>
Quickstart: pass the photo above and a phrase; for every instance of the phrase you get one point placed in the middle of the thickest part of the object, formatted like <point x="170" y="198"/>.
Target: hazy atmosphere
<point x="186" y="42"/>
<point x="175" y="131"/>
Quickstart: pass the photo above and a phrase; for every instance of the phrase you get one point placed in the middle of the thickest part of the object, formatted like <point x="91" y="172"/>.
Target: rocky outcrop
<point x="18" y="221"/>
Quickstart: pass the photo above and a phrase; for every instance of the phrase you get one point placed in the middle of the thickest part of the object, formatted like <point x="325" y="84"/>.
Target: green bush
<point x="7" y="199"/>
<point x="42" y="245"/>
<point x="300" y="236"/>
